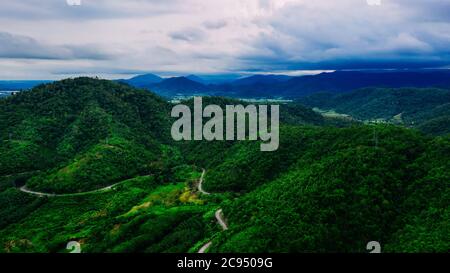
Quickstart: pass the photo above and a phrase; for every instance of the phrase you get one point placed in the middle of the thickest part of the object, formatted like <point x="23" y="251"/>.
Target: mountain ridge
<point x="282" y="86"/>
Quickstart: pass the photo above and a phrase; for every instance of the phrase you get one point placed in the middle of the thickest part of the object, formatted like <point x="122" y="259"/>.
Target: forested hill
<point x="333" y="190"/>
<point x="85" y="133"/>
<point x="326" y="189"/>
<point x="425" y="108"/>
<point x="290" y="113"/>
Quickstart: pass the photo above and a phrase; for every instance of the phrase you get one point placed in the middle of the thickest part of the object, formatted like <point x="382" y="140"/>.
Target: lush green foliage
<point x="326" y="189"/>
<point x="427" y="109"/>
<point x="147" y="213"/>
<point x="82" y="134"/>
<point x="342" y="189"/>
<point x="290" y="113"/>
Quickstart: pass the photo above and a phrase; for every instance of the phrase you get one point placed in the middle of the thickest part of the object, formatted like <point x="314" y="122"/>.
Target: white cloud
<point x="195" y="36"/>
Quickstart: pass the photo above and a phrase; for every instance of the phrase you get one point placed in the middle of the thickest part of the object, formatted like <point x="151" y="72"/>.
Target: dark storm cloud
<point x="24" y="47"/>
<point x="215" y="24"/>
<point x="430" y="10"/>
<point x="215" y="36"/>
<point x="352" y="35"/>
<point x="188" y="35"/>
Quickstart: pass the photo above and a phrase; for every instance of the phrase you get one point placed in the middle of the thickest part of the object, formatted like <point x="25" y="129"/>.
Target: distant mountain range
<point x="195" y="78"/>
<point x="19" y="85"/>
<point x="143" y="81"/>
<point x="179" y="86"/>
<point x="262" y="79"/>
<point x="276" y="86"/>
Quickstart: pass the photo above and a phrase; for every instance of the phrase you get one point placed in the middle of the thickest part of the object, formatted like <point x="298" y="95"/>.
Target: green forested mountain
<point x="290" y="113"/>
<point x="427" y="109"/>
<point x="84" y="133"/>
<point x="335" y="190"/>
<point x="327" y="188"/>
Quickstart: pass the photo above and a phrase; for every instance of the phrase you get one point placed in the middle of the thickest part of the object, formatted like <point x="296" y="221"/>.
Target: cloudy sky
<point x="49" y="39"/>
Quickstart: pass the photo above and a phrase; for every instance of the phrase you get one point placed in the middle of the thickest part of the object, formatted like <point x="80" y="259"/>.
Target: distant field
<point x="280" y="100"/>
<point x="333" y="114"/>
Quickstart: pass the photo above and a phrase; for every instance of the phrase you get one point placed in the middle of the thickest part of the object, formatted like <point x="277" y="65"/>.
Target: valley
<point x="93" y="162"/>
<point x="250" y="131"/>
<point x="426" y="109"/>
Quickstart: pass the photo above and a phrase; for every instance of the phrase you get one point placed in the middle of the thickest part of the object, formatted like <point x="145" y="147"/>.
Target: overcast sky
<point x="49" y="39"/>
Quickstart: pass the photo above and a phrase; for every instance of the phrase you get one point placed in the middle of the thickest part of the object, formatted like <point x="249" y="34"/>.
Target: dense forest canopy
<point x="427" y="109"/>
<point x="332" y="186"/>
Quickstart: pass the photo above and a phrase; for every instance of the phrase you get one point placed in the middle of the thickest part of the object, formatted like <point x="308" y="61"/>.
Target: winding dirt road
<point x="44" y="194"/>
<point x="221" y="219"/>
<point x="205" y="247"/>
<point x="200" y="183"/>
<point x="219" y="214"/>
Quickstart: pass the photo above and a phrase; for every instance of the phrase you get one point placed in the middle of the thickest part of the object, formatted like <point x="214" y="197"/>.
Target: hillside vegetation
<point x="427" y="109"/>
<point x="334" y="190"/>
<point x="330" y="187"/>
<point x="82" y="134"/>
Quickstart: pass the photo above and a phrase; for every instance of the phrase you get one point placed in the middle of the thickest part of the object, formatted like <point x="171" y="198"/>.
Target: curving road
<point x="200" y="183"/>
<point x="221" y="219"/>
<point x="44" y="194"/>
<point x="219" y="214"/>
<point x="205" y="247"/>
<point x="222" y="223"/>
